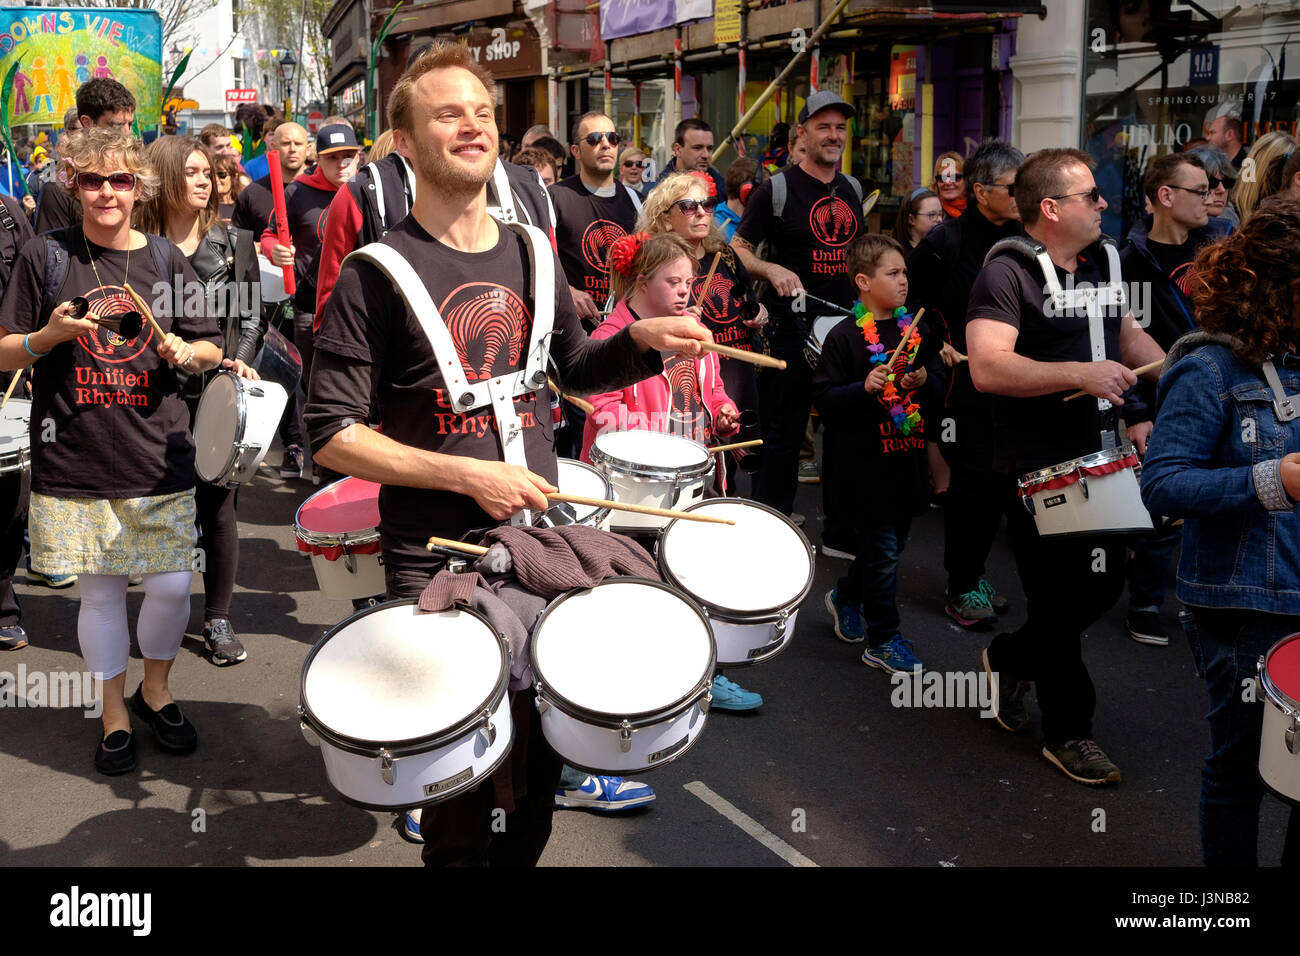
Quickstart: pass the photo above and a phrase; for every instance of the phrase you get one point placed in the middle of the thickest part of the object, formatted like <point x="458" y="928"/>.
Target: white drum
<point x="339" y="527"/>
<point x="579" y="478"/>
<point x="651" y="468"/>
<point x="749" y="578"/>
<point x="821" y="327"/>
<point x="1279" y="744"/>
<point x="15" y="435"/>
<point x="233" y="427"/>
<point x="272" y="280"/>
<point x="623" y="673"/>
<point x="408" y="708"/>
<point x="1095" y="494"/>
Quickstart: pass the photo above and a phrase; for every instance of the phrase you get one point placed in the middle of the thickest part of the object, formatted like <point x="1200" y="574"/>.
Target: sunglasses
<point x="1224" y="181"/>
<point x="688" y="206"/>
<point x="611" y="137"/>
<point x="1009" y="187"/>
<point x="93" y="182"/>
<point x="1093" y="194"/>
<point x="635" y="163"/>
<point x="951" y="177"/>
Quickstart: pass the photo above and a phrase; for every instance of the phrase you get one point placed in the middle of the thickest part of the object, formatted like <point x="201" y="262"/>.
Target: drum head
<point x="15" y="425"/>
<point x="1282" y="665"/>
<point x="762" y="563"/>
<point x="215" y="425"/>
<point x="579" y="478"/>
<point x="653" y="450"/>
<point x="823" y="325"/>
<point x="392" y="674"/>
<point x="625" y="647"/>
<point x="349" y="505"/>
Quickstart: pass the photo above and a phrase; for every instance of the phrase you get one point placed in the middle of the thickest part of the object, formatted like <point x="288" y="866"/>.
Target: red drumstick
<point x="281" y="219"/>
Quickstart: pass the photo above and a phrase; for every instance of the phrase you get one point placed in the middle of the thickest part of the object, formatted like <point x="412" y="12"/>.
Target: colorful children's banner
<point x="62" y="47"/>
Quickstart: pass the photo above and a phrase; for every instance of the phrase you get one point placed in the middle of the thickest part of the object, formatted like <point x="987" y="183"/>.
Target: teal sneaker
<point x="728" y="695"/>
<point x="970" y="609"/>
<point x="893" y="657"/>
<point x="50" y="580"/>
<point x="996" y="601"/>
<point x="847" y="619"/>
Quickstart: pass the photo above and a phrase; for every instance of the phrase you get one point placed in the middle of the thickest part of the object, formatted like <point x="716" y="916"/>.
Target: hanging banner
<point x="726" y="21"/>
<point x="61" y="48"/>
<point x="625" y="18"/>
<point x="693" y="10"/>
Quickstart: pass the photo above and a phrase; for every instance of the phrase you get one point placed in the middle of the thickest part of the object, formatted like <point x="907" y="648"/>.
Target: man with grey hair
<point x="943" y="268"/>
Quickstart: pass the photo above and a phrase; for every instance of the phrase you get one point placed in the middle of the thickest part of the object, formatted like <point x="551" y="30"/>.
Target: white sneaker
<point x="605" y="793"/>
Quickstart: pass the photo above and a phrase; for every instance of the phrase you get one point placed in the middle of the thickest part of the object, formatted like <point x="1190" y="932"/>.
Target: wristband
<point x="30" y="351"/>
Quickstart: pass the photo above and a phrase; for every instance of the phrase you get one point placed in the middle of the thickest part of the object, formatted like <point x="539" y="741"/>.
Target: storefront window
<point x="1159" y="73"/>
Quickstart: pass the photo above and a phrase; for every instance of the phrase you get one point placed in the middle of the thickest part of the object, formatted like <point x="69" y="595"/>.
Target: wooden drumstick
<point x="451" y="545"/>
<point x="906" y="335"/>
<point x="18" y="374"/>
<point x="708" y="278"/>
<point x="1140" y="370"/>
<point x="635" y="509"/>
<point x="734" y="445"/>
<point x="753" y="358"/>
<point x="582" y="403"/>
<point x="145" y="311"/>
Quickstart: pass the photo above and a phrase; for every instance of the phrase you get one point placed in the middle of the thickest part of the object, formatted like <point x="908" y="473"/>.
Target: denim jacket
<point x="1214" y="459"/>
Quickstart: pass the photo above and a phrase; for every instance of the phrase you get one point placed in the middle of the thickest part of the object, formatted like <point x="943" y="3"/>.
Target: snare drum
<point x="623" y="673"/>
<point x="233" y="427"/>
<point x="1279" y="745"/>
<point x="339" y="527"/>
<point x="408" y="708"/>
<point x="749" y="578"/>
<point x="579" y="478"/>
<point x="822" y="325"/>
<point x="1095" y="494"/>
<point x="651" y="468"/>
<point x="15" y="435"/>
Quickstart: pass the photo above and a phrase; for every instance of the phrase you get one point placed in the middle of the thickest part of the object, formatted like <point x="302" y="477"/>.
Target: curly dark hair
<point x="1246" y="285"/>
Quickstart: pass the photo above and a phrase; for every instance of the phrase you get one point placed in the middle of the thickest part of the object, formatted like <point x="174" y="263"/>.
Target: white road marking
<point x="747" y="823"/>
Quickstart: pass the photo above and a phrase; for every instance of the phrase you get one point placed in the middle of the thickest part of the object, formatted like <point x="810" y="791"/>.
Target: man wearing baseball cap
<point x="306" y="201"/>
<point x="808" y="221"/>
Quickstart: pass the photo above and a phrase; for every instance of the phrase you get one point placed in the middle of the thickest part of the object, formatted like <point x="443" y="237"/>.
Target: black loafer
<point x="116" y="754"/>
<point x="170" y="726"/>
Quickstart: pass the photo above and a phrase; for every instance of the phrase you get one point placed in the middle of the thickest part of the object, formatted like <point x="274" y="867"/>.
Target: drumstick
<point x="10" y="390"/>
<point x="753" y="358"/>
<point x="1140" y="370"/>
<point x="635" y="509"/>
<point x="708" y="278"/>
<point x="585" y="405"/>
<point x="734" y="445"/>
<point x="906" y="335"/>
<point x="455" y="546"/>
<point x="144" y="310"/>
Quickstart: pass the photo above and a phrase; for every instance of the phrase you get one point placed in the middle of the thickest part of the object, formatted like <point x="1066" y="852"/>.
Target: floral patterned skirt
<point x="112" y="536"/>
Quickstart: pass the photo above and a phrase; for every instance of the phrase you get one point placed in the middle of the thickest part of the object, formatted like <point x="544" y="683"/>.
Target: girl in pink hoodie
<point x="652" y="276"/>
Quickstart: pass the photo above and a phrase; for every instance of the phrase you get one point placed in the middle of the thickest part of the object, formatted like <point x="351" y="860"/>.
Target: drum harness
<point x="498" y="392"/>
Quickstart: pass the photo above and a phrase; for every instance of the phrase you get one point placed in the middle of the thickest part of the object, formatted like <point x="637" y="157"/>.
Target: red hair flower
<point x="623" y="250"/>
<point x="708" y="180"/>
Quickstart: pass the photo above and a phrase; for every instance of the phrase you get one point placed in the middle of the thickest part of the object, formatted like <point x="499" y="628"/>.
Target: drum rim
<point x="598" y="516"/>
<point x="1090" y="460"/>
<point x="241" y="423"/>
<point x="656" y="472"/>
<point x="19" y="458"/>
<point x="408" y="746"/>
<point x="647" y="718"/>
<point x="732" y="615"/>
<point x="332" y="538"/>
<point x="1277" y="695"/>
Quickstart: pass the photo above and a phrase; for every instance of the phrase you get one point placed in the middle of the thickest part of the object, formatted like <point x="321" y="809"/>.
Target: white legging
<point x="102" y="627"/>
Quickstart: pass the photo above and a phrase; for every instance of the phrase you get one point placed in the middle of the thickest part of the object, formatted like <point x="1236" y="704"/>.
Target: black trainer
<point x="116" y="753"/>
<point x="1145" y="627"/>
<point x="1009" y="708"/>
<point x="169" y="725"/>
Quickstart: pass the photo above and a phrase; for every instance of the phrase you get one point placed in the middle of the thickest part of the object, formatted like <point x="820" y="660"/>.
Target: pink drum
<point x="339" y="527"/>
<point x="1279" y="745"/>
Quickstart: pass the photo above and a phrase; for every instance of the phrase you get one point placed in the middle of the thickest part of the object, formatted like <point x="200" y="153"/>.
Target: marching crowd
<point x="933" y="361"/>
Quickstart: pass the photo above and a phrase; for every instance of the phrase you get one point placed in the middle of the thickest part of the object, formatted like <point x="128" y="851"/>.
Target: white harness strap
<point x="636" y="200"/>
<point x="377" y="187"/>
<point x="504" y="209"/>
<point x="498" y="392"/>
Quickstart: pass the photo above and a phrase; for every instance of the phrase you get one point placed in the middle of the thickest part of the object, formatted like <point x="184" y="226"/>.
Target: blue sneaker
<point x="728" y="695"/>
<point x="605" y="793"/>
<point x="411" y="826"/>
<point x="893" y="657"/>
<point x="847" y="619"/>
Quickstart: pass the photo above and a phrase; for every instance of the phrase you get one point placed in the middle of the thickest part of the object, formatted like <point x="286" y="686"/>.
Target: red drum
<point x="1279" y="745"/>
<point x="339" y="527"/>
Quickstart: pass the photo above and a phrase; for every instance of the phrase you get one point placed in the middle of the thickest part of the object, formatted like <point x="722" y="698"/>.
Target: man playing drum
<point x="444" y="467"/>
<point x="1028" y="360"/>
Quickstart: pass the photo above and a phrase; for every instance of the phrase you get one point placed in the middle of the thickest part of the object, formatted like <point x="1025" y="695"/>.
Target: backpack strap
<point x="57" y="261"/>
<point x="779" y="193"/>
<point x="636" y="200"/>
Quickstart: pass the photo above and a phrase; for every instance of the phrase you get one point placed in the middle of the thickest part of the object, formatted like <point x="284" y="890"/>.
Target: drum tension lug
<point x="625" y="737"/>
<point x="386" y="767"/>
<point x="1083" y="485"/>
<point x="489" y="728"/>
<point x="1292" y="736"/>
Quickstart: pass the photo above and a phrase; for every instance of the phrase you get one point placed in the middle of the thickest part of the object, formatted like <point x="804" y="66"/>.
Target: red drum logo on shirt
<point x="683" y="384"/>
<point x="596" y="240"/>
<point x="106" y="346"/>
<point x="831" y="221"/>
<point x="487" y="324"/>
<point x="715" y="304"/>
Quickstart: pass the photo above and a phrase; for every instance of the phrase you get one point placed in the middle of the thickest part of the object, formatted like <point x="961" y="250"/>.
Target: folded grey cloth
<point x="510" y="610"/>
<point x="551" y="561"/>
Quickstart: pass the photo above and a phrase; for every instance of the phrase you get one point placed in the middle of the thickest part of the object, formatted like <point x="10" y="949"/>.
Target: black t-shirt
<point x="55" y="209"/>
<point x="306" y="206"/>
<point x="1176" y="261"/>
<point x="818" y="223"/>
<point x="586" y="226"/>
<point x="719" y="309"/>
<point x="1033" y="433"/>
<point x="121" y="429"/>
<point x="254" y="207"/>
<point x="370" y="344"/>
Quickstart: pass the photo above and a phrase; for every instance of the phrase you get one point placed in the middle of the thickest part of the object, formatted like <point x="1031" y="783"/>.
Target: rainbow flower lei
<point x="905" y="412"/>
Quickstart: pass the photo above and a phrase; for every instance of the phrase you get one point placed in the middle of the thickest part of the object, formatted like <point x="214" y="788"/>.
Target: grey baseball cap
<point x="824" y="100"/>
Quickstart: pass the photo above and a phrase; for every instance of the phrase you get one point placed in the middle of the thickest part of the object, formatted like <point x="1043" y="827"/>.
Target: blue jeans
<point x="1148" y="568"/>
<point x="1226" y="645"/>
<point x="872" y="578"/>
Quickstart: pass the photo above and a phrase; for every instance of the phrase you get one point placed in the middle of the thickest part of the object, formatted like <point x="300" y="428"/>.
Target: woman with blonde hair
<point x="949" y="183"/>
<point x="632" y="164"/>
<point x="114" y="496"/>
<point x="1251" y="185"/>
